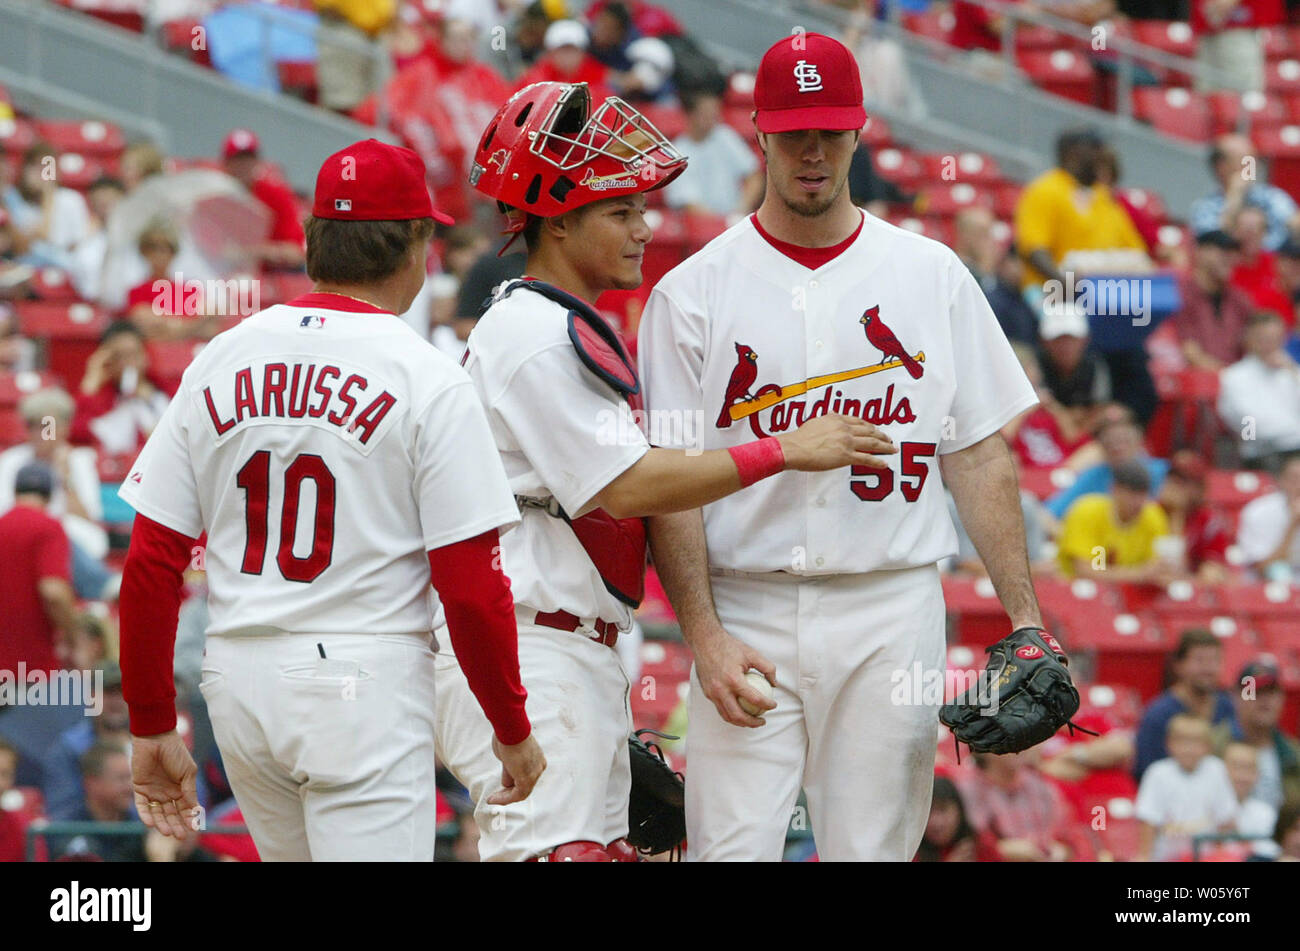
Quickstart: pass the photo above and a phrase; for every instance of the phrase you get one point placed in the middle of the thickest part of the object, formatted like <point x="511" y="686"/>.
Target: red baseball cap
<point x="240" y="142"/>
<point x="372" y="181"/>
<point x="808" y="81"/>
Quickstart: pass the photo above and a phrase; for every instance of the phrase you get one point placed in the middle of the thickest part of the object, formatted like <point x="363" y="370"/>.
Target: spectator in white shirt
<point x="1255" y="817"/>
<point x="1259" y="395"/>
<point x="1269" y="531"/>
<point x="723" y="177"/>
<point x="50" y="220"/>
<point x="76" y="500"/>
<point x="1186" y="794"/>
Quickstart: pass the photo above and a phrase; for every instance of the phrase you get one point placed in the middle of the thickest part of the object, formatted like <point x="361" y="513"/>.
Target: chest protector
<point x="616" y="546"/>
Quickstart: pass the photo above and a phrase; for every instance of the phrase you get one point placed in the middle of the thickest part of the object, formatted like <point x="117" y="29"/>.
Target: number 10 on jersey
<point x="255" y="479"/>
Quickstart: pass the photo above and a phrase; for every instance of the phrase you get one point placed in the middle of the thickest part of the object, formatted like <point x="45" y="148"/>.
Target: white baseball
<point x="758" y="682"/>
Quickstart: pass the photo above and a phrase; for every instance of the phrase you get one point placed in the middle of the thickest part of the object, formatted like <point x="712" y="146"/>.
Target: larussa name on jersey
<point x="742" y="401"/>
<point x="304" y="390"/>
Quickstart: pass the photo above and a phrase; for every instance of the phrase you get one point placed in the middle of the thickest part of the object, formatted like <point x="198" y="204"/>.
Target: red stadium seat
<point x="1277" y="43"/>
<point x="1232" y="490"/>
<point x="900" y="166"/>
<point x="1033" y="37"/>
<point x="185" y="36"/>
<point x="1262" y="601"/>
<point x="1282" y="76"/>
<point x="1175" y="112"/>
<point x="16" y="134"/>
<point x="934" y="24"/>
<point x="115" y="468"/>
<point x="937" y="229"/>
<point x="52" y="284"/>
<point x="12" y="429"/>
<point x="15" y="387"/>
<point x="60" y="321"/>
<point x="740" y="91"/>
<point x="980" y="617"/>
<point x="77" y="171"/>
<point x="169" y="358"/>
<point x="298" y="78"/>
<point x="1064" y="73"/>
<point x="969" y="167"/>
<point x="1263" y="110"/>
<point x="946" y="200"/>
<point x="670" y="120"/>
<point x="1169" y="36"/>
<point x="877" y="134"/>
<point x="1147" y="200"/>
<point x="1005" y="199"/>
<point x="89" y="137"/>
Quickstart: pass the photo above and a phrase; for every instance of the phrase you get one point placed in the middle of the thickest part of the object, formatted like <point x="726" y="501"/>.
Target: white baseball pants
<point x="329" y="760"/>
<point x="578" y="706"/>
<point x="839" y="643"/>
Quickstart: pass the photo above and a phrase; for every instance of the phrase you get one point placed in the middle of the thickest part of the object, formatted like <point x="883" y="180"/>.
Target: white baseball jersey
<point x="563" y="434"/>
<point x="933" y="370"/>
<point x="324" y="447"/>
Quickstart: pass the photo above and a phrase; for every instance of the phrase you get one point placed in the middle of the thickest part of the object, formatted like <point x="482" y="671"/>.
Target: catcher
<point x="560" y="393"/>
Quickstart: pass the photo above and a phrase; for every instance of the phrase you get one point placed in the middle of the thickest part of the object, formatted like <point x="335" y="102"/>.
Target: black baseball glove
<point x="656" y="810"/>
<point x="1024" y="696"/>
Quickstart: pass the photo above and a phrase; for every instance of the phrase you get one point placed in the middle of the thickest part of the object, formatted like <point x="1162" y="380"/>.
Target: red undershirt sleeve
<point x="150" y="601"/>
<point x="475" y="594"/>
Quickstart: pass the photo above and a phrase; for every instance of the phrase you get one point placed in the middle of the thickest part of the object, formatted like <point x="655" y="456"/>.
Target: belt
<point x="605" y="632"/>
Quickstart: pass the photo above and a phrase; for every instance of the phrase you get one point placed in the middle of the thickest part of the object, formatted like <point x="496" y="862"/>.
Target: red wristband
<point x="758" y="460"/>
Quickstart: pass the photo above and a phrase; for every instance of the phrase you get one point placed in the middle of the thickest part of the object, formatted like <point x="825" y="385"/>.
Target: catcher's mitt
<point x="1024" y="696"/>
<point x="656" y="810"/>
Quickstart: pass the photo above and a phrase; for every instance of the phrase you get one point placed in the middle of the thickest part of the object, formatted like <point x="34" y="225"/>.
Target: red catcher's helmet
<point x="545" y="152"/>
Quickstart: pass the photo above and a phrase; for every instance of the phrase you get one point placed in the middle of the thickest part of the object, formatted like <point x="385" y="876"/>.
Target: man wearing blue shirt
<point x="1234" y="165"/>
<point x="1196" y="665"/>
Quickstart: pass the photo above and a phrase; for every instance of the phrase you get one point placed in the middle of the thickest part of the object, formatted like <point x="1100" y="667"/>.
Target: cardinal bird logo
<point x="742" y="378"/>
<point x="883" y="339"/>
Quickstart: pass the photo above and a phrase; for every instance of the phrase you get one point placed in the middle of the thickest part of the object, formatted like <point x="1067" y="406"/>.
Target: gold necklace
<point x="361" y="300"/>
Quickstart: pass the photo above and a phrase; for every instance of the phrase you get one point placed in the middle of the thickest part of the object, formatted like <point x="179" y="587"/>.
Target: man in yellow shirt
<point x="1113" y="537"/>
<point x="1065" y="210"/>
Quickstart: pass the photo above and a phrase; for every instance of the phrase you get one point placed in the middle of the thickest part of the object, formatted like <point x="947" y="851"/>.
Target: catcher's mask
<point x="545" y="152"/>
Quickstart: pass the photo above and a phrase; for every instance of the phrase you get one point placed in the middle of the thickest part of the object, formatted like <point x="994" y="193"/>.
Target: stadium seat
<point x="877" y="134"/>
<point x="1277" y="43"/>
<point x="944" y="200"/>
<point x="12" y="429"/>
<point x="180" y="36"/>
<point x="670" y="120"/>
<point x="980" y="617"/>
<point x="52" y="284"/>
<point x="1031" y="36"/>
<point x="298" y="78"/>
<point x="1147" y="200"/>
<point x="1270" y="600"/>
<point x="1064" y="73"/>
<point x="89" y="137"/>
<point x="77" y="171"/>
<point x="115" y="468"/>
<point x="933" y="23"/>
<point x="1005" y="198"/>
<point x="1282" y="76"/>
<point x="900" y="166"/>
<point x="71" y="332"/>
<point x="1176" y="112"/>
<point x="740" y="91"/>
<point x="16" y="135"/>
<point x="14" y="387"/>
<point x="169" y="358"/>
<point x="1169" y="36"/>
<point x="970" y="168"/>
<point x="1262" y="110"/>
<point x="1232" y="490"/>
